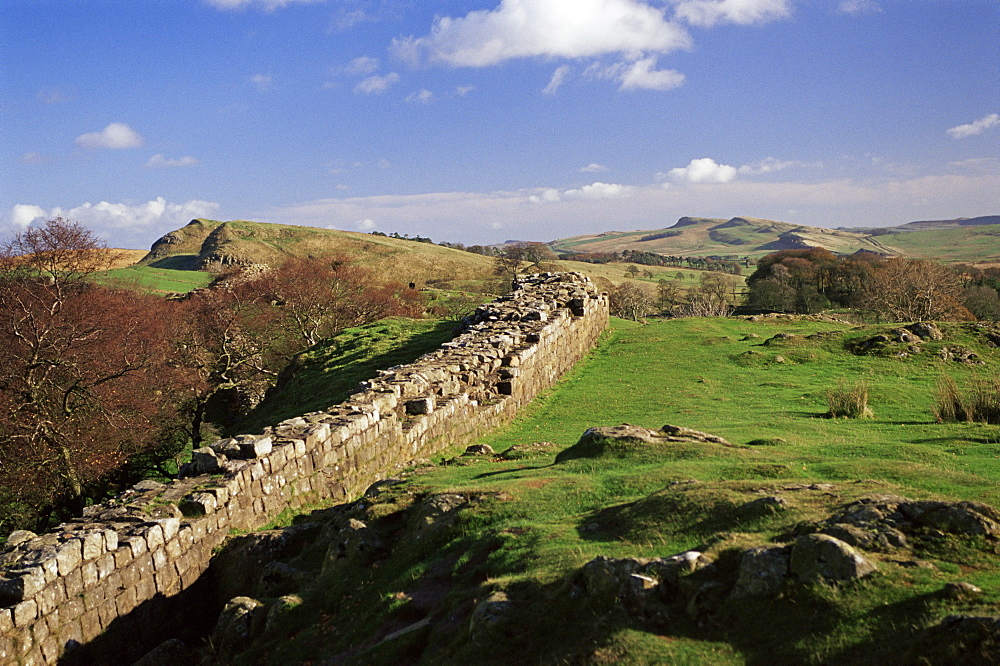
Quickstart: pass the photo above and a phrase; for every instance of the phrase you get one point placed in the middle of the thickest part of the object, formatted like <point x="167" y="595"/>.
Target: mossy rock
<point x="627" y="441"/>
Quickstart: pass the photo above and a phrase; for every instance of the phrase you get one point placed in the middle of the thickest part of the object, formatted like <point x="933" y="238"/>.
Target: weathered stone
<point x="488" y="612"/>
<point x="763" y="570"/>
<point x="255" y="447"/>
<point x="68" y="556"/>
<point x="926" y="330"/>
<point x="17" y="586"/>
<point x="424" y="405"/>
<point x="822" y="558"/>
<point x="480" y="450"/>
<point x="205" y="461"/>
<point x="17" y="537"/>
<point x="240" y="622"/>
<point x="278" y="610"/>
<point x="961" y="591"/>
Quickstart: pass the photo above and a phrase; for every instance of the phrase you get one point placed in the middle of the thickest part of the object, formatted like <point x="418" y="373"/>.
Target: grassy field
<point x="156" y="280"/>
<point x="533" y="519"/>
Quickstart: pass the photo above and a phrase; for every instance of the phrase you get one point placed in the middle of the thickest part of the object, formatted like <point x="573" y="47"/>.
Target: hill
<point x="205" y="243"/>
<point x="967" y="240"/>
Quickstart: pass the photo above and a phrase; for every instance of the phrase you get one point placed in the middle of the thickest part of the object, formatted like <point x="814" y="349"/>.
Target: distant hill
<point x="961" y="240"/>
<point x="204" y="243"/>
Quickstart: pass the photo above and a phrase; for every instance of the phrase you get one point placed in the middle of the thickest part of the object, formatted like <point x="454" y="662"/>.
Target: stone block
<point x="24" y="613"/>
<point x="90" y="577"/>
<point x="17" y="586"/>
<point x="160" y="560"/>
<point x="154" y="536"/>
<point x="173" y="549"/>
<point x="136" y="544"/>
<point x="50" y="649"/>
<point x="6" y="621"/>
<point x="255" y="447"/>
<point x="105" y="566"/>
<point x="71" y="609"/>
<point x="123" y="557"/>
<point x="169" y="526"/>
<point x="145" y="589"/>
<point x="198" y="504"/>
<point x="90" y="625"/>
<point x="127" y="601"/>
<point x="69" y="555"/>
<point x="93" y="545"/>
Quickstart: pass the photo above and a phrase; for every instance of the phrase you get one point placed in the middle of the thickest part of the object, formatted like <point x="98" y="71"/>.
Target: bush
<point x="980" y="403"/>
<point x="849" y="402"/>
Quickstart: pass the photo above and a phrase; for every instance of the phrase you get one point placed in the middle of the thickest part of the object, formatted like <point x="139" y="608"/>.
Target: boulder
<point x="762" y="571"/>
<point x="926" y="330"/>
<point x="821" y="558"/>
<point x="626" y="440"/>
<point x="240" y="622"/>
<point x="488" y="612"/>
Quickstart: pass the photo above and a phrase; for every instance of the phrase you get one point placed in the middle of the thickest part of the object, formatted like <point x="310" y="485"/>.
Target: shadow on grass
<point x="178" y="262"/>
<point x="331" y="371"/>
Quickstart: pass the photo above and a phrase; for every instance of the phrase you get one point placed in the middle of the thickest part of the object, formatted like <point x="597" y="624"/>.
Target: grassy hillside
<point x="205" y="241"/>
<point x="497" y="576"/>
<point x="973" y="240"/>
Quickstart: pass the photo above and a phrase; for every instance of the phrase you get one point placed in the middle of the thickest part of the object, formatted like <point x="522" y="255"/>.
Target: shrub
<point x="849" y="402"/>
<point x="979" y="403"/>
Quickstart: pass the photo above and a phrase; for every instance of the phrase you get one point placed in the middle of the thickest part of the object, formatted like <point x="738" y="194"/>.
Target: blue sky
<point x="488" y="120"/>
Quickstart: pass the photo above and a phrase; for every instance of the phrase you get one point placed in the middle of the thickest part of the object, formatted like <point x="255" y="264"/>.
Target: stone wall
<point x="109" y="576"/>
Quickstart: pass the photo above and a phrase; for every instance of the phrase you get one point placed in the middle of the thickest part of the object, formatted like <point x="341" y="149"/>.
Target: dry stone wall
<point x="107" y="572"/>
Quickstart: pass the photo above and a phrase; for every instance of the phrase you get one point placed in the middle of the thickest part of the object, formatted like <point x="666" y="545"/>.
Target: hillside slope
<point x="204" y="243"/>
<point x="965" y="240"/>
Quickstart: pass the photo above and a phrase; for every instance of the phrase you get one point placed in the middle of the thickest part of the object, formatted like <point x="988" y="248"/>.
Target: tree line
<point x="99" y="384"/>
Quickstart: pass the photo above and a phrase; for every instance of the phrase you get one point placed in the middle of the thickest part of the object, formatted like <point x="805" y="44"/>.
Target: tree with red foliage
<point x="83" y="375"/>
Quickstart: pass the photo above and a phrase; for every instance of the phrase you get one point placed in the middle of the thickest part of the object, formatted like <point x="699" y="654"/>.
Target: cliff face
<point x="186" y="241"/>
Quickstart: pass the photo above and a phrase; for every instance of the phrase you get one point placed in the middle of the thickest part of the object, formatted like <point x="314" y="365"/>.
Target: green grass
<point x="545" y="519"/>
<point x="330" y="372"/>
<point x="157" y="280"/>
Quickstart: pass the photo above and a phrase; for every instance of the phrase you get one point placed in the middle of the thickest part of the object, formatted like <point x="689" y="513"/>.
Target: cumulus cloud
<point x="423" y="96"/>
<point x="116" y="216"/>
<point x="159" y="161"/>
<point x="115" y="136"/>
<point x="22" y="215"/>
<point x="594" y="192"/>
<point x="545" y="28"/>
<point x="703" y="170"/>
<point x="707" y="13"/>
<point x="975" y="127"/>
<point x="558" y="78"/>
<point x="366" y="224"/>
<point x="597" y="191"/>
<point x="593" y="167"/>
<point x="376" y="84"/>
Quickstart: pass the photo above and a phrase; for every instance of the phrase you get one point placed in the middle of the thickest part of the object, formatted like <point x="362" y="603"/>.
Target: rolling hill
<point x="960" y="240"/>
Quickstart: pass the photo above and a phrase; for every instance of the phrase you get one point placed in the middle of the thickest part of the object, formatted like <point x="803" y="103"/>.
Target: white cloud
<point x="366" y="224"/>
<point x="462" y="91"/>
<point x="768" y="165"/>
<point x="707" y="13"/>
<point x="640" y="75"/>
<point x="262" y="81"/>
<point x="420" y="97"/>
<point x="545" y="28"/>
<point x="159" y="161"/>
<point x="593" y="167"/>
<point x="558" y="78"/>
<point x="704" y="170"/>
<point x="24" y="214"/>
<point x="104" y="215"/>
<point x="859" y="7"/>
<point x="376" y="84"/>
<point x="975" y="127"/>
<point x="115" y="136"/>
<point x="488" y="217"/>
<point x="594" y="192"/>
<point x="597" y="191"/>
<point x="362" y="65"/>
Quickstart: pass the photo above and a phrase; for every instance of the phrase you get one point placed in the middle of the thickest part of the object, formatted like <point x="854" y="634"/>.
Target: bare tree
<point x="914" y="290"/>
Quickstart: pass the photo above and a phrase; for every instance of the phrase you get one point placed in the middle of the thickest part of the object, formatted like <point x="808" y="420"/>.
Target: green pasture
<point x="543" y="516"/>
<point x="156" y="280"/>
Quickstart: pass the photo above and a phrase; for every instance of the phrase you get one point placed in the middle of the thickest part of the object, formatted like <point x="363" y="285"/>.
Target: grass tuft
<point x="980" y="403"/>
<point x="849" y="401"/>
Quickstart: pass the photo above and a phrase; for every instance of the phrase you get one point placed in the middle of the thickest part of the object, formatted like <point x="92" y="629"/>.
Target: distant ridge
<point x="972" y="240"/>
